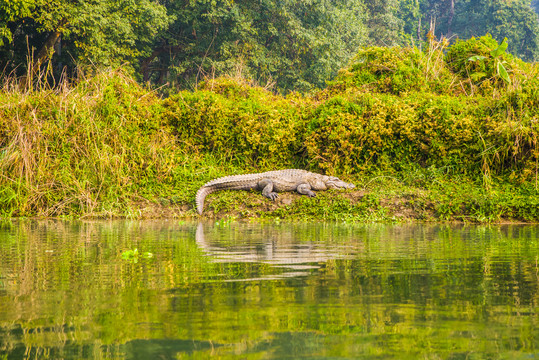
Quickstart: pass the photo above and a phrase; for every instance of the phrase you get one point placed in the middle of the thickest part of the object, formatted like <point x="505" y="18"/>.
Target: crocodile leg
<point x="267" y="188"/>
<point x="305" y="189"/>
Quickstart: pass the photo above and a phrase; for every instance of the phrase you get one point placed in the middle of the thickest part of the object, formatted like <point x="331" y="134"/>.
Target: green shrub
<point x="251" y="126"/>
<point x="396" y="70"/>
<point x="392" y="70"/>
<point x="382" y="132"/>
<point x="99" y="147"/>
<point x="483" y="63"/>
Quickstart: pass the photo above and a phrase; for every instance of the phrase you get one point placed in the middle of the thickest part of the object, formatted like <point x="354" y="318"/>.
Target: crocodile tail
<point x="201" y="195"/>
<point x="226" y="183"/>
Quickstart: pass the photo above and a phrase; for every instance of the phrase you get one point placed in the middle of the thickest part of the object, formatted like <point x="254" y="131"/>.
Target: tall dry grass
<point x="84" y="149"/>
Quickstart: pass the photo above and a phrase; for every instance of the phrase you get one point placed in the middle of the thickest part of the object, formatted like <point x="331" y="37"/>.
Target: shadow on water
<point x="167" y="290"/>
<point x="165" y="348"/>
<point x="133" y="349"/>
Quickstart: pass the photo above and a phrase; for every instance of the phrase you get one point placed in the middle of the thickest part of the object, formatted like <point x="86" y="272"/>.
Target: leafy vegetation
<point x="424" y="121"/>
<point x="290" y="45"/>
<point x="75" y="150"/>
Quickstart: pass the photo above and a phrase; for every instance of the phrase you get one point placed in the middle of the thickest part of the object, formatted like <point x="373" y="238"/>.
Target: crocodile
<point x="272" y="182"/>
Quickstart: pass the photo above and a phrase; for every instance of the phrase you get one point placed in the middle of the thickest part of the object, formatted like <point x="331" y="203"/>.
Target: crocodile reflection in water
<point x="280" y="249"/>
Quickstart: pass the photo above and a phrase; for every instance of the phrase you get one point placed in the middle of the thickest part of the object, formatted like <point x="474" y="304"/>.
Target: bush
<point x="250" y="125"/>
<point x="386" y="133"/>
<point x="99" y="146"/>
<point x="396" y="71"/>
<point x="483" y="63"/>
<point x="388" y="70"/>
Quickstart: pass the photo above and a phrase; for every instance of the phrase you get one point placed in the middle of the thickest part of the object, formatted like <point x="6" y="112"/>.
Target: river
<point x="229" y="290"/>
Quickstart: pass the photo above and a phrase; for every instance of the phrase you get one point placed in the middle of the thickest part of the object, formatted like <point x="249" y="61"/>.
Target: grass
<point x="86" y="150"/>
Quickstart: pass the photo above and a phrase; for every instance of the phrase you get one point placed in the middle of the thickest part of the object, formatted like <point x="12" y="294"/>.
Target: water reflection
<point x="267" y="291"/>
<point x="282" y="249"/>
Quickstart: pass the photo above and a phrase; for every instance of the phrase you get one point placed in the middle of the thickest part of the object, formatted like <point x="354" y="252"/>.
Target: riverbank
<point x="377" y="199"/>
<point x="420" y="137"/>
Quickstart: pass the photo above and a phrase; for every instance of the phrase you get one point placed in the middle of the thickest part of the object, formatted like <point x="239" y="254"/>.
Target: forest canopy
<point x="290" y="45"/>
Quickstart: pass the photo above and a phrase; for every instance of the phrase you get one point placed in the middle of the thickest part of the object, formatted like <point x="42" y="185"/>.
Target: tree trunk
<point x="145" y="68"/>
<point x="46" y="50"/>
<point x="419" y="29"/>
<point x="145" y="64"/>
<point x="451" y="15"/>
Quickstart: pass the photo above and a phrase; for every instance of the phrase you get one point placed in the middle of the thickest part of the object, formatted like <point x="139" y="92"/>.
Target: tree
<point x="514" y="20"/>
<point x="99" y="32"/>
<point x="385" y="28"/>
<point x="10" y="13"/>
<point x="409" y="11"/>
<point x="298" y="45"/>
<point x="517" y="21"/>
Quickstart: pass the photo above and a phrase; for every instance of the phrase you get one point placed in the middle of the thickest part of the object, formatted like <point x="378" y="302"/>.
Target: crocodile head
<point x="335" y="183"/>
<point x="330" y="182"/>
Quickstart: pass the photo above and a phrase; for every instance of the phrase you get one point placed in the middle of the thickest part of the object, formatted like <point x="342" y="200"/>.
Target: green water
<point x="166" y="290"/>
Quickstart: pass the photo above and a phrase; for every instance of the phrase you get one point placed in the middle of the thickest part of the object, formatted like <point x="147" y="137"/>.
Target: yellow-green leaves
<point x="497" y="55"/>
<point x="483" y="61"/>
<point x="500" y="50"/>
<point x="13" y="10"/>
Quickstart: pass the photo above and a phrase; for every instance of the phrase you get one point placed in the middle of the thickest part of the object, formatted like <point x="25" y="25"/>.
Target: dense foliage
<point x="290" y="45"/>
<point x="390" y="109"/>
<point x="433" y="119"/>
<point x="85" y="150"/>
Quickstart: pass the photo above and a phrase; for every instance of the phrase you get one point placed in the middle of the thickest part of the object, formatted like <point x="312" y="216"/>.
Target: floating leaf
<point x="130" y="254"/>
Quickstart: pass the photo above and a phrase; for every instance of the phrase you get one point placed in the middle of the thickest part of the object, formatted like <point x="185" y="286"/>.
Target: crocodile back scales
<point x="284" y="180"/>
